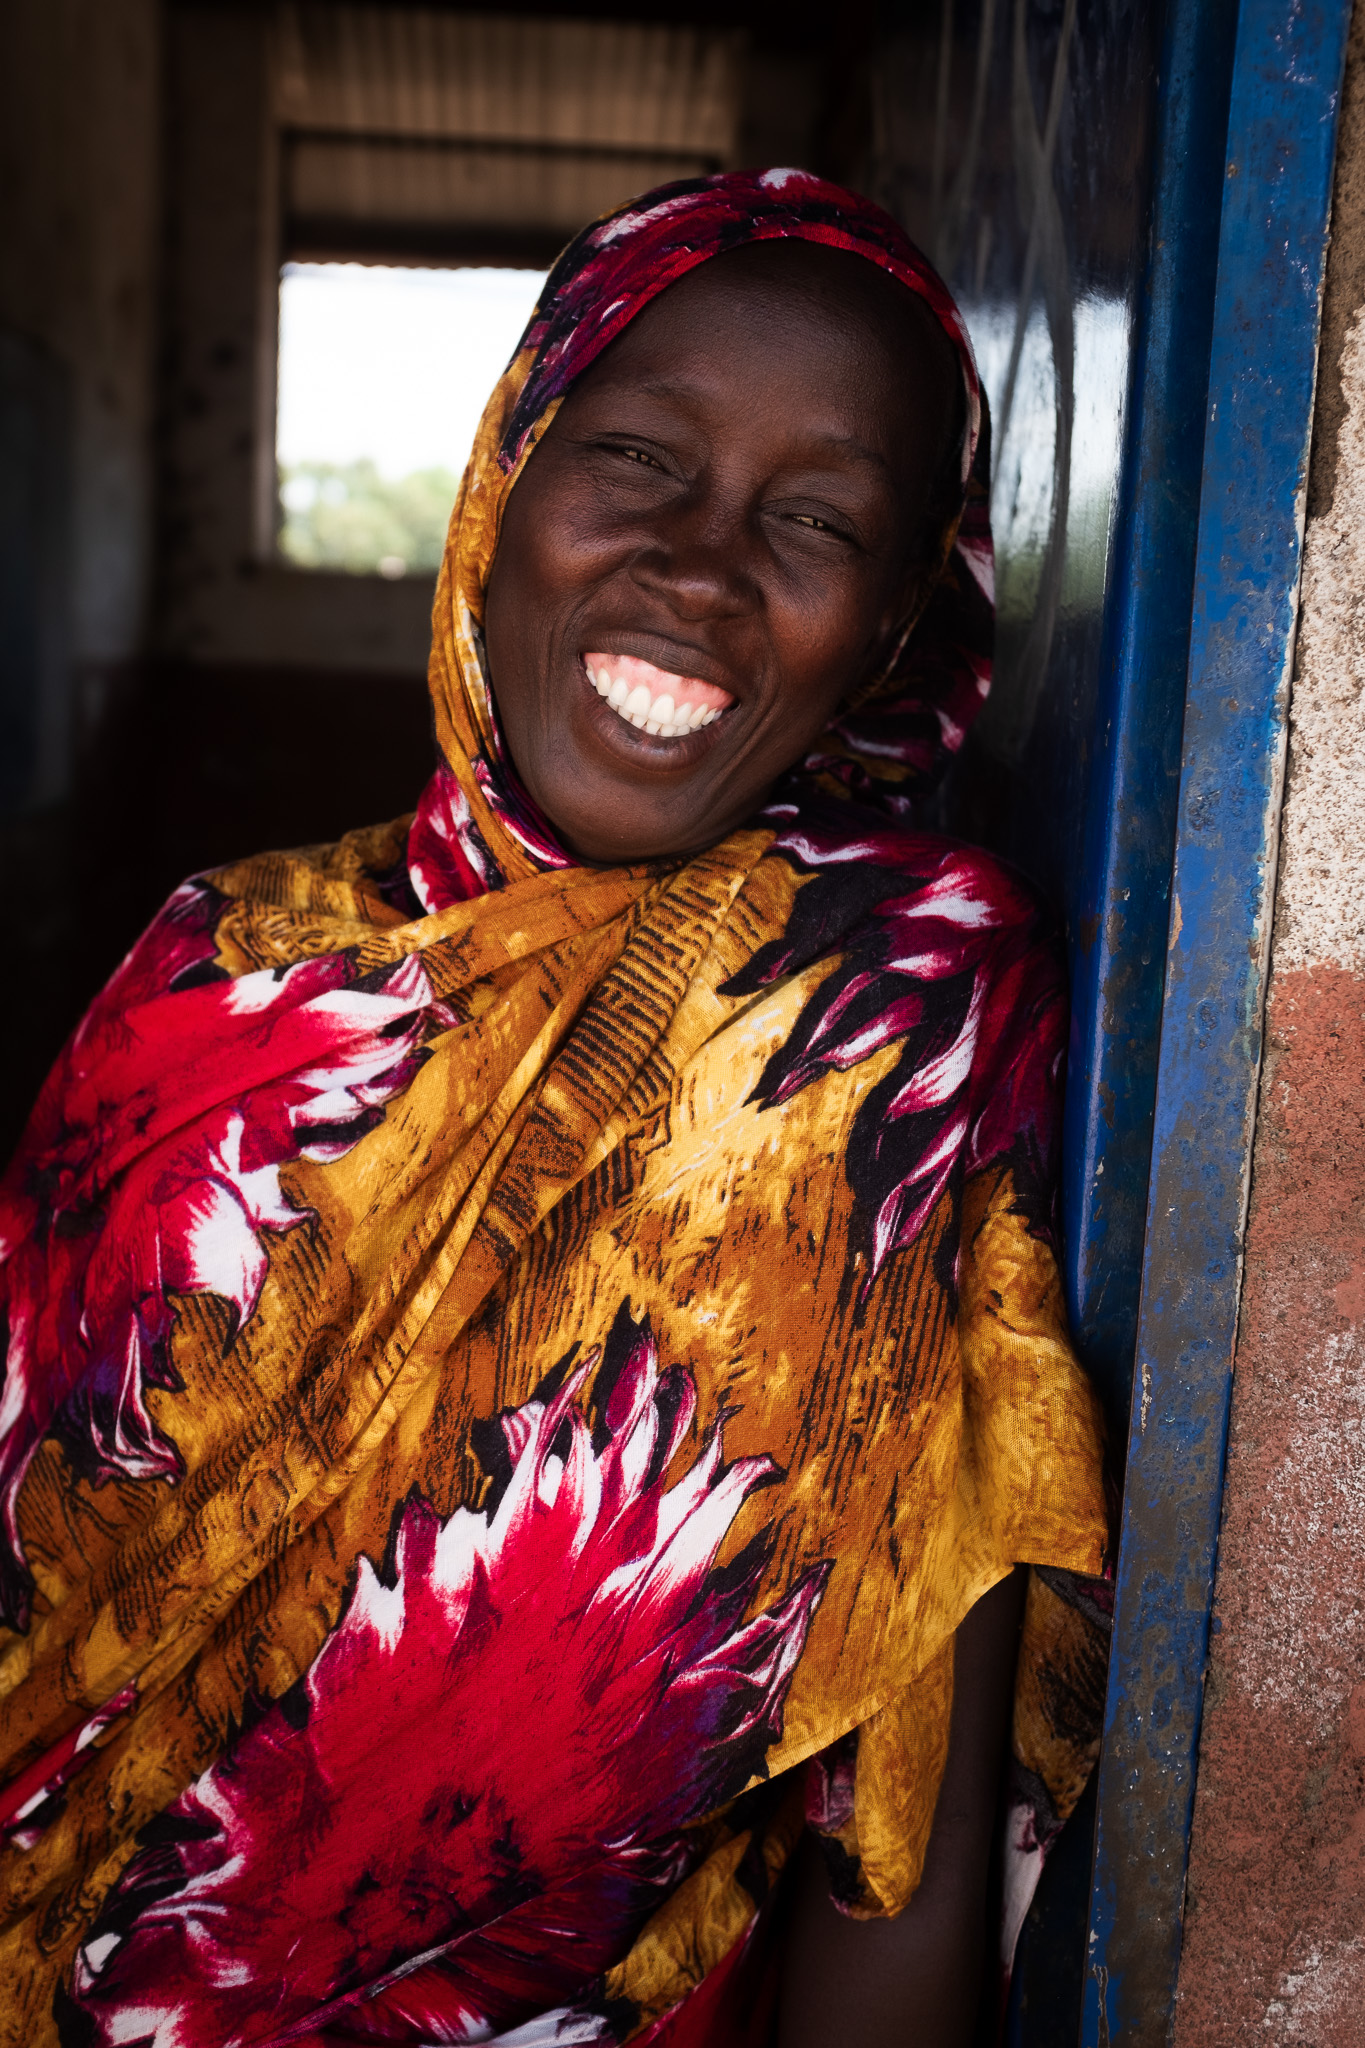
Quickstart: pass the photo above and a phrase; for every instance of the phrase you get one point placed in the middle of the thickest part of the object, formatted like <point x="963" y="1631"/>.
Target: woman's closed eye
<point x="821" y="523"/>
<point x="638" y="453"/>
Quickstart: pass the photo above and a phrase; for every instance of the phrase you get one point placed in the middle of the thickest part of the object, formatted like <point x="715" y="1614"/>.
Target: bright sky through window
<point x="383" y="375"/>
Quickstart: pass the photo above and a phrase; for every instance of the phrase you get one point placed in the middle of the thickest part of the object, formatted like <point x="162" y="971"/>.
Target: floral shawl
<point x="516" y="1370"/>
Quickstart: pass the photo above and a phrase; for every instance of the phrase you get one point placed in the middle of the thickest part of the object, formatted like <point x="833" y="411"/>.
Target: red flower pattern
<point x="944" y="952"/>
<point x="569" y="1681"/>
<point x="151" y="1168"/>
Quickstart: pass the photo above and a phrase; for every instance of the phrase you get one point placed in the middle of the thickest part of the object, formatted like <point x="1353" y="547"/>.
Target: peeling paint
<point x="1322" y="904"/>
<point x="1277" y="1875"/>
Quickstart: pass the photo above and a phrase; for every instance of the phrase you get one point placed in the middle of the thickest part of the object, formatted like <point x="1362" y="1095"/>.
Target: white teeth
<point x="651" y="714"/>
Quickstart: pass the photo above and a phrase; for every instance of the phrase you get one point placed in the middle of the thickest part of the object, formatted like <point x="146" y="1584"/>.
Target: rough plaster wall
<point x="79" y="127"/>
<point x="1275" y="1927"/>
<point x="221" y="598"/>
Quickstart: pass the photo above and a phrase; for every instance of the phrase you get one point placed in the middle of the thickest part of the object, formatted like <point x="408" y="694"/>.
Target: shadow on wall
<point x="195" y="766"/>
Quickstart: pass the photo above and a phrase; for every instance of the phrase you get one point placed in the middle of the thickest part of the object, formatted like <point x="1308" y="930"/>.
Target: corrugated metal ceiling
<point x="487" y="77"/>
<point x="333" y="182"/>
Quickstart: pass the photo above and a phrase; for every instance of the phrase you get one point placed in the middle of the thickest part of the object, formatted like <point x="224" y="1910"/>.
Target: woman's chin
<point x="631" y="848"/>
<point x="619" y="826"/>
<point x="617" y="800"/>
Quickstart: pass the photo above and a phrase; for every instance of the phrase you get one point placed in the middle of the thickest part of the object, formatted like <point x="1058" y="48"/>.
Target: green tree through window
<point x="348" y="516"/>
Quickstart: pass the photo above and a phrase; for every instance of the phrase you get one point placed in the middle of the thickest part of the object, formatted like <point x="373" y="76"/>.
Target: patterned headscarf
<point x="516" y="1371"/>
<point x="891" y="741"/>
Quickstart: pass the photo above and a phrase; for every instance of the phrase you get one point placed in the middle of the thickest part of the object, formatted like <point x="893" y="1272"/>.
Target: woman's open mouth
<point x="651" y="699"/>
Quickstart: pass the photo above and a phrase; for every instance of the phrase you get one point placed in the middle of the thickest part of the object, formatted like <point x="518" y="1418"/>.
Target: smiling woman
<point x="536" y="1353"/>
<point x="731" y="516"/>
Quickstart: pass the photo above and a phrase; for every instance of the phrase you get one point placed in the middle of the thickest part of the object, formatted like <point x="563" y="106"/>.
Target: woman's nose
<point x="698" y="559"/>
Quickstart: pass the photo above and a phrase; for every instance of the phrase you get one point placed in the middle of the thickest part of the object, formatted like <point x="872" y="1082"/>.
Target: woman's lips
<point x="652" y="699"/>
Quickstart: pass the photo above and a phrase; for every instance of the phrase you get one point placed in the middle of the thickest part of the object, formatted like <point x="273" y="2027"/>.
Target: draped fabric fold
<point x="516" y="1371"/>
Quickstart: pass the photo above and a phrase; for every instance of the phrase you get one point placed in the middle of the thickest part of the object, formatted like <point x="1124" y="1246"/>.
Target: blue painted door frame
<point x="1281" y="130"/>
<point x="1118" y="932"/>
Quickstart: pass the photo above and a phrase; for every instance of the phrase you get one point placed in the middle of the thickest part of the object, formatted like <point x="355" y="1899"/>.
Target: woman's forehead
<point x="834" y="293"/>
<point x="774" y="322"/>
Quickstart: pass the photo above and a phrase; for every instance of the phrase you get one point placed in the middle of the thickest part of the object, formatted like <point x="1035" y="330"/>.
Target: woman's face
<point x="713" y="543"/>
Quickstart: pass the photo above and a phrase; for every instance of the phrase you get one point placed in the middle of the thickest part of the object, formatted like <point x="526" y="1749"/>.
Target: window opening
<point x="383" y="374"/>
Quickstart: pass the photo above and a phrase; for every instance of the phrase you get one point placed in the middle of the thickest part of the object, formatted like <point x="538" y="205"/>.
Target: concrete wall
<point x="222" y="598"/>
<point x="80" y="125"/>
<point x="1275" y="1928"/>
<point x="80" y="237"/>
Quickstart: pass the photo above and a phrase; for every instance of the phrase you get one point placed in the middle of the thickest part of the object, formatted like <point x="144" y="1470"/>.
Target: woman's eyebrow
<point x="682" y="391"/>
<point x="848" y="444"/>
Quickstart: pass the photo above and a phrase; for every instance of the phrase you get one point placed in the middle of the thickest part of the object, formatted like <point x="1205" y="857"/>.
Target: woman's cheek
<point x="815" y="636"/>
